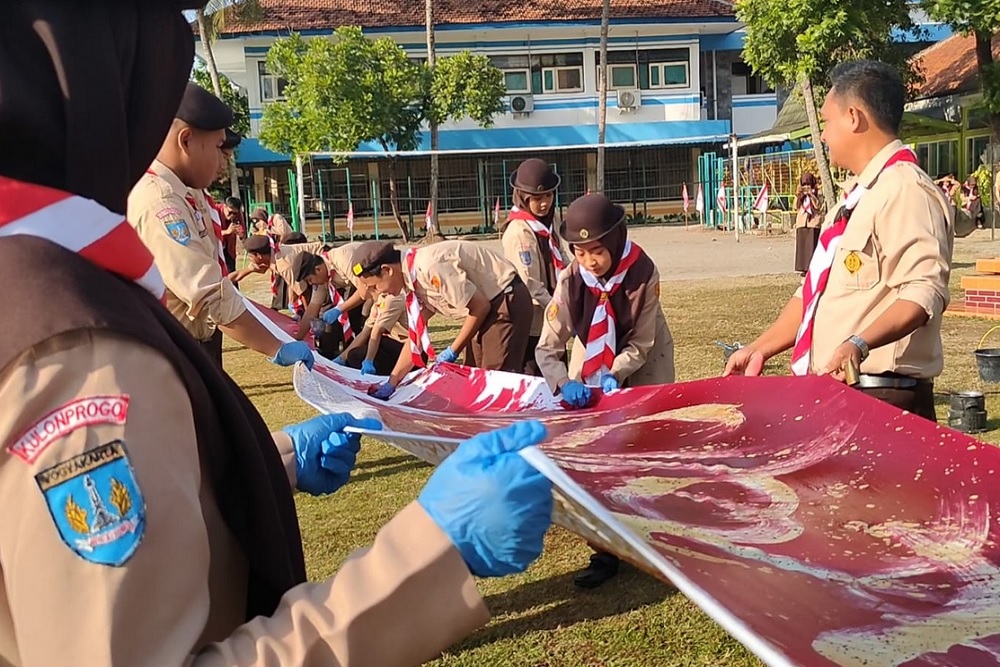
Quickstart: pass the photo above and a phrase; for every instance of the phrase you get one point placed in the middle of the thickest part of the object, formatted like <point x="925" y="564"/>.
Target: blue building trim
<point x="927" y="32"/>
<point x="665" y="133"/>
<point x="747" y="104"/>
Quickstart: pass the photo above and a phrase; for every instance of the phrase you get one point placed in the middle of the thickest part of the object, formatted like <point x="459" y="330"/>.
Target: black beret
<point x="204" y="111"/>
<point x="294" y="238"/>
<point x="535" y="177"/>
<point x="590" y="218"/>
<point x="259" y="243"/>
<point x="372" y="254"/>
<point x="304" y="265"/>
<point x="232" y="140"/>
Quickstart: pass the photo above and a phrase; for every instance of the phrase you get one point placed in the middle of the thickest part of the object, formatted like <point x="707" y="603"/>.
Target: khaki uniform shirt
<point x="180" y="598"/>
<point x="280" y="226"/>
<point x="450" y="272"/>
<point x="520" y="248"/>
<point x="898" y="245"/>
<point x="389" y="315"/>
<point x="185" y="249"/>
<point x="647" y="359"/>
<point x="338" y="262"/>
<point x="281" y="263"/>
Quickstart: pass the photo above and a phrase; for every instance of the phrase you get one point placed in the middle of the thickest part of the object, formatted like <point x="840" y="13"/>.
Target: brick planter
<point x="982" y="290"/>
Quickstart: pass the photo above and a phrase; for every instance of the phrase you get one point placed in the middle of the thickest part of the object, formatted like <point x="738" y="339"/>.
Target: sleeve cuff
<point x="231" y="306"/>
<point x="925" y="297"/>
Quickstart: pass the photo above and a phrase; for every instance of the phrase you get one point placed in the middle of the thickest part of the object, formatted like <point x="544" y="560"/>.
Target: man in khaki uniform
<point x="168" y="209"/>
<point x="460" y="280"/>
<point x="149" y="519"/>
<point x="878" y="284"/>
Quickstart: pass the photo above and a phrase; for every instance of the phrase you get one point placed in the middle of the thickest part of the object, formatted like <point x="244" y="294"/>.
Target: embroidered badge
<point x="67" y="418"/>
<point x="169" y="212"/>
<point x="552" y="312"/>
<point x="95" y="502"/>
<point x="357" y="269"/>
<point x="435" y="282"/>
<point x="179" y="231"/>
<point x="853" y="263"/>
<point x="525" y="257"/>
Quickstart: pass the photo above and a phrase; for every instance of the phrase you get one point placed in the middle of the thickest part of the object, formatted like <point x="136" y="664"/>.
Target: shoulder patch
<point x="436" y="282"/>
<point x="96" y="505"/>
<point x="552" y="312"/>
<point x="179" y="231"/>
<point x="67" y="418"/>
<point x="169" y="212"/>
<point x="525" y="257"/>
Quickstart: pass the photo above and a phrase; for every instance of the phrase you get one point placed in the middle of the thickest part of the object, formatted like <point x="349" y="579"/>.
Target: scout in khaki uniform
<point x="808" y="218"/>
<point x="149" y="517"/>
<point x="463" y="281"/>
<point x="608" y="303"/>
<point x="530" y="242"/>
<point x="878" y="282"/>
<point x="167" y="207"/>
<point x="377" y="348"/>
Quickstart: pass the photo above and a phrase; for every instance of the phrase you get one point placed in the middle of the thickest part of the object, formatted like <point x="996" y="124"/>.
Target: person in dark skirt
<point x="808" y="219"/>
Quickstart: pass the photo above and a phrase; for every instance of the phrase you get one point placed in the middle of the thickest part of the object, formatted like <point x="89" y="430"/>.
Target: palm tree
<point x="211" y="22"/>
<point x="602" y="93"/>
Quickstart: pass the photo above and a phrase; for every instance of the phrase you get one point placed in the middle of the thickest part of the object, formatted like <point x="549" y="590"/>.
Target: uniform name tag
<point x="65" y="419"/>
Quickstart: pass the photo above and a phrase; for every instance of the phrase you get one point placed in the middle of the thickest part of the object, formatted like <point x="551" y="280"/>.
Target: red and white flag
<point x="721" y="198"/>
<point x="350" y="216"/>
<point x="760" y="204"/>
<point x="496" y="213"/>
<point x="429" y="218"/>
<point x="699" y="200"/>
<point x="686" y="198"/>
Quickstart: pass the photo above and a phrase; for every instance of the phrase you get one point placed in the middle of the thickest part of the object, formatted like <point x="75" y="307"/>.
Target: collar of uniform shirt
<point x="871" y="172"/>
<point x="167" y="174"/>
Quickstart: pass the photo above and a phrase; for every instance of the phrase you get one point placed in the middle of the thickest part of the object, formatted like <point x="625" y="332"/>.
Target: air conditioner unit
<point x="629" y="99"/>
<point x="521" y="105"/>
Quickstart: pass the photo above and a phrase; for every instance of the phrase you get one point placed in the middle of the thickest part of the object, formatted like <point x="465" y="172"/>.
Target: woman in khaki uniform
<point x="530" y="243"/>
<point x="608" y="302"/>
<point x="338" y="301"/>
<point x="808" y="219"/>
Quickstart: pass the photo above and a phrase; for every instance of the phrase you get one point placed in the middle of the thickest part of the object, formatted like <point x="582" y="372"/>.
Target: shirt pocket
<point x="856" y="265"/>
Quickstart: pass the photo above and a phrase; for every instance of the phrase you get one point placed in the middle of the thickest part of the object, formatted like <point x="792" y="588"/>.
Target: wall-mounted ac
<point x="629" y="99"/>
<point x="521" y="105"/>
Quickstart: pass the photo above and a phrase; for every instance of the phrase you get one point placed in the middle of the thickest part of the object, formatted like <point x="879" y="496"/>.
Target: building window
<point x="746" y="82"/>
<point x="562" y="79"/>
<point x="668" y="75"/>
<point x="976" y="151"/>
<point x="548" y="73"/>
<point x="939" y="158"/>
<point x="517" y="80"/>
<point x="623" y="76"/>
<point x="272" y="87"/>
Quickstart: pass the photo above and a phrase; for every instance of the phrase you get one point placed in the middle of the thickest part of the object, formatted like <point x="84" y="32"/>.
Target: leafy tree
<point x="795" y="44"/>
<point x="981" y="19"/>
<point x="231" y="95"/>
<point x="351" y="90"/>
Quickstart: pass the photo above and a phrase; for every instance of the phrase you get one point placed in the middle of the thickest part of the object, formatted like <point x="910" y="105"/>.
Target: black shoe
<point x="602" y="567"/>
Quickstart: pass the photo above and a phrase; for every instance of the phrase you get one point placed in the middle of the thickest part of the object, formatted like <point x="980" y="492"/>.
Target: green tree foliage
<point x="231" y="95"/>
<point x="349" y="90"/>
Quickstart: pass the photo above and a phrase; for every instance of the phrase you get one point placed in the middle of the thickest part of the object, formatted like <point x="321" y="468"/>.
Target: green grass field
<point x="540" y="618"/>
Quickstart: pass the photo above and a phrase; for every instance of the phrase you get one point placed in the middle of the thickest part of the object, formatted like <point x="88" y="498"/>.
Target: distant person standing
<point x="971" y="200"/>
<point x="808" y="218"/>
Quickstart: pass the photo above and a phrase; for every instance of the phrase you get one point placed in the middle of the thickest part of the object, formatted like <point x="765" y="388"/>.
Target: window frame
<point x="661" y="67"/>
<point x="555" y="79"/>
<point x="526" y="71"/>
<point x="611" y="78"/>
<point x="276" y="80"/>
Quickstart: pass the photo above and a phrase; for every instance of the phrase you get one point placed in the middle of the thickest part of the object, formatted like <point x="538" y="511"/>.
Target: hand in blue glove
<point x="332" y="316"/>
<point x="493" y="505"/>
<point x="339" y="361"/>
<point x="382" y="391"/>
<point x="368" y="368"/>
<point x="324" y="455"/>
<point x="447" y="357"/>
<point x="609" y="383"/>
<point x="289" y="353"/>
<point x="576" y="394"/>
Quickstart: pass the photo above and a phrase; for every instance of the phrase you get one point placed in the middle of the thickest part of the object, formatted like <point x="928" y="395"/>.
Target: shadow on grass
<point x="629" y="591"/>
<point x="380" y="463"/>
<point x="412" y="464"/>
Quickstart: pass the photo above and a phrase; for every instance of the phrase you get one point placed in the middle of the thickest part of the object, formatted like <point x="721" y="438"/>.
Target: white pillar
<point x="736" y="185"/>
<point x="300" y="183"/>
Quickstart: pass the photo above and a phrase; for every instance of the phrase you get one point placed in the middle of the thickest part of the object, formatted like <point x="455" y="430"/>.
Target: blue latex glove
<point x="324" y="455"/>
<point x="339" y="361"/>
<point x="332" y="316"/>
<point x="609" y="383"/>
<point x="447" y="357"/>
<point x="493" y="505"/>
<point x="382" y="391"/>
<point x="289" y="353"/>
<point x="368" y="368"/>
<point x="576" y="394"/>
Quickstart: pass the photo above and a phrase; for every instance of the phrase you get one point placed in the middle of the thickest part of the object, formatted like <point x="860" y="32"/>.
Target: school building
<point x="678" y="90"/>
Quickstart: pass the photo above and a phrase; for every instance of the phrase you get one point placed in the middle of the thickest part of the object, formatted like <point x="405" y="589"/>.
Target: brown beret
<point x="590" y="218"/>
<point x="535" y="177"/>
<point x="304" y="265"/>
<point x="259" y="243"/>
<point x="294" y="238"/>
<point x="259" y="213"/>
<point x="204" y="111"/>
<point x="232" y="140"/>
<point x="371" y="255"/>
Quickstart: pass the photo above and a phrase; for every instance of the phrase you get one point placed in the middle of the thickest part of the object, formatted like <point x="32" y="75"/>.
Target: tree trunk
<point x="213" y="72"/>
<point x="984" y="62"/>
<point x="394" y="202"/>
<point x="602" y="94"/>
<point x="821" y="162"/>
<point x="429" y="24"/>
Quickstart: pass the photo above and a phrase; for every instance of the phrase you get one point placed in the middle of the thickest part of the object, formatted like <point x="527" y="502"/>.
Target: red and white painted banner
<point x="817" y="525"/>
<point x="67" y="418"/>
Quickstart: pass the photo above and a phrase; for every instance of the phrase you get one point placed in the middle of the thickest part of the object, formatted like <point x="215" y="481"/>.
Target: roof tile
<point x="949" y="67"/>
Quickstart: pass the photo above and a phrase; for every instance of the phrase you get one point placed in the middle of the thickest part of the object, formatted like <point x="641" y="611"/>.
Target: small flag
<point x="699" y="200"/>
<point x="350" y="216"/>
<point x="807" y="205"/>
<point x="721" y="198"/>
<point x="496" y="213"/>
<point x="429" y="218"/>
<point x="762" y="199"/>
<point x="686" y="198"/>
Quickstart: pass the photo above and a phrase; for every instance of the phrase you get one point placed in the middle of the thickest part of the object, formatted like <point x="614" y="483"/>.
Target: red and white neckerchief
<point x="216" y="228"/>
<point x="336" y="300"/>
<point x="420" y="339"/>
<point x="537" y="227"/>
<point x="80" y="225"/>
<point x="822" y="262"/>
<point x="602" y="343"/>
<point x="275" y="246"/>
<point x="807" y="206"/>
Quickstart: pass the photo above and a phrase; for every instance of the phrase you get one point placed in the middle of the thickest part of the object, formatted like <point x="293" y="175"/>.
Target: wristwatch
<point x="859" y="342"/>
